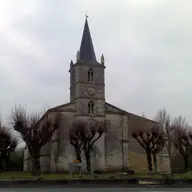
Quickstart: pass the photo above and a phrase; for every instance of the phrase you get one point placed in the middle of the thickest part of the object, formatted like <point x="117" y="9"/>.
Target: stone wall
<point x="137" y="153"/>
<point x="138" y="123"/>
<point x="27" y="161"/>
<point x="82" y="107"/>
<point x="81" y="72"/>
<point x="49" y="159"/>
<point x="135" y="122"/>
<point x="66" y="152"/>
<point x="98" y="156"/>
<point x="44" y="159"/>
<point x="113" y="147"/>
<point x="116" y="151"/>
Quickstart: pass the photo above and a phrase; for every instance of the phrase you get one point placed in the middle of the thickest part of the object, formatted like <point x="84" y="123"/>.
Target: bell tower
<point x="87" y="79"/>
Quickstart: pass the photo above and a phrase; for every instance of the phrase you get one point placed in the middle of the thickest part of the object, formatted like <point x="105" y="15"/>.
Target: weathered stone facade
<point x="87" y="85"/>
<point x="113" y="145"/>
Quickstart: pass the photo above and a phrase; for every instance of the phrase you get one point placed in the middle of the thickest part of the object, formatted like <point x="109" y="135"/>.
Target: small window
<point x="90" y="75"/>
<point x="90" y="107"/>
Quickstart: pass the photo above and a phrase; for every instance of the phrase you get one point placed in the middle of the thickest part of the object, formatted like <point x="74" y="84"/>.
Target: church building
<point x="88" y="102"/>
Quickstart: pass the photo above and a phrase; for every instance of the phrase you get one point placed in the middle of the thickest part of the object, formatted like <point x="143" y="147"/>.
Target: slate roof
<point x="87" y="52"/>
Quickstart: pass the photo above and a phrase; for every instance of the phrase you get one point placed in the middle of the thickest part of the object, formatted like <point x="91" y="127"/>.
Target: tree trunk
<point x="149" y="161"/>
<point x="36" y="162"/>
<point x="186" y="162"/>
<point x="155" y="162"/>
<point x="78" y="155"/>
<point x="88" y="161"/>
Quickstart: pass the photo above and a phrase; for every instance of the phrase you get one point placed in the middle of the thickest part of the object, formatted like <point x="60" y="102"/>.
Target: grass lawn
<point x="27" y="175"/>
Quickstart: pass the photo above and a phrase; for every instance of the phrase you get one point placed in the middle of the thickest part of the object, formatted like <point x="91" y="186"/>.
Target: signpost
<point x="75" y="168"/>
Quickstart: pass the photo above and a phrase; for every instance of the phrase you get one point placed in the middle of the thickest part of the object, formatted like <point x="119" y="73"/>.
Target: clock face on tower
<point x="91" y="91"/>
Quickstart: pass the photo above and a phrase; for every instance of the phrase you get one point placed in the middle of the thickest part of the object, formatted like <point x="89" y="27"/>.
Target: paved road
<point x="65" y="189"/>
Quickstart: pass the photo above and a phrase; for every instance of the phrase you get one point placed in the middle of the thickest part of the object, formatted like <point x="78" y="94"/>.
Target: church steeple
<point x="87" y="52"/>
<point x="87" y="79"/>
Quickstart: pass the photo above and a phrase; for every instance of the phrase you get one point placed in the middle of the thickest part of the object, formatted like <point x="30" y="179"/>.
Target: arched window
<point x="90" y="107"/>
<point x="90" y="75"/>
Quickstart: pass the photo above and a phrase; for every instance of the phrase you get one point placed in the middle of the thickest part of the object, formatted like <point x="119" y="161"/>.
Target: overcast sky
<point x="147" y="46"/>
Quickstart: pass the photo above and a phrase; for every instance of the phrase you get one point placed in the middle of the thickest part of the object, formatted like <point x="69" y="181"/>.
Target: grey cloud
<point x="146" y="44"/>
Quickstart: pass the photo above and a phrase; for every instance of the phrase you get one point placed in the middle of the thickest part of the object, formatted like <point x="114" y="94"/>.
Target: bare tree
<point x="87" y="134"/>
<point x="182" y="139"/>
<point x="75" y="141"/>
<point x="147" y="140"/>
<point x="7" y="145"/>
<point x="163" y="118"/>
<point x="35" y="131"/>
<point x="157" y="145"/>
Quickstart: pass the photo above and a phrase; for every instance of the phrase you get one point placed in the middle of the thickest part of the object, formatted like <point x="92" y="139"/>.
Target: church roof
<point x="87" y="52"/>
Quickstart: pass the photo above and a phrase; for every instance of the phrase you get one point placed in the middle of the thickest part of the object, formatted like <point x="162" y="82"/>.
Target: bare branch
<point x="19" y="119"/>
<point x="83" y="136"/>
<point x="35" y="130"/>
<point x="163" y="118"/>
<point x="182" y="138"/>
<point x="159" y="141"/>
<point x="48" y="126"/>
<point x="151" y="140"/>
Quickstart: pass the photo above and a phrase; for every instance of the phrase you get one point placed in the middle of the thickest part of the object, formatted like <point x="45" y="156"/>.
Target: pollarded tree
<point x="147" y="140"/>
<point x="87" y="134"/>
<point x="75" y="140"/>
<point x="157" y="145"/>
<point x="182" y="139"/>
<point x="7" y="145"/>
<point x="163" y="118"/>
<point x="36" y="131"/>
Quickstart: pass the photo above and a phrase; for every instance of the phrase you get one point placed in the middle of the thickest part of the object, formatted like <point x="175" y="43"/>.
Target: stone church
<point x="87" y="101"/>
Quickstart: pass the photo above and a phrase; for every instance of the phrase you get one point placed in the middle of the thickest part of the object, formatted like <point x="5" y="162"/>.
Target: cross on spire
<point x="86" y="16"/>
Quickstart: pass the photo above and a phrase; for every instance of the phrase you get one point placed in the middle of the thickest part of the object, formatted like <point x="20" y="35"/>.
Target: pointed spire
<point x="71" y="63"/>
<point x="102" y="59"/>
<point x="87" y="52"/>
